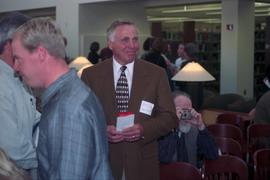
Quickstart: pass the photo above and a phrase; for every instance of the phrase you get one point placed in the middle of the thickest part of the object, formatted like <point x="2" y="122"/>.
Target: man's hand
<point x="133" y="133"/>
<point x="197" y="120"/>
<point x="113" y="135"/>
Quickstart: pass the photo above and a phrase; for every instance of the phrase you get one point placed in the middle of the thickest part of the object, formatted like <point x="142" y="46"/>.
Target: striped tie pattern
<point x="122" y="94"/>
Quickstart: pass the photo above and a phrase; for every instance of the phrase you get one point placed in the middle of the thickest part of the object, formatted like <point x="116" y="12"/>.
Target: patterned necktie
<point x="122" y="94"/>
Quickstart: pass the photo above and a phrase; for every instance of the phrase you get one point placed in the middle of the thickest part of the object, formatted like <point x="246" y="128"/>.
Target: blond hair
<point x="42" y="31"/>
<point x="9" y="169"/>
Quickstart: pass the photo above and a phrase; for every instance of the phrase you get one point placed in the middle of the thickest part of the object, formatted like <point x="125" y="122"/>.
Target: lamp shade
<point x="80" y="63"/>
<point x="193" y="72"/>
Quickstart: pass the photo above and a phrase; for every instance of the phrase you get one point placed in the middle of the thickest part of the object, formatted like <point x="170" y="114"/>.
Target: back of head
<point x="106" y="53"/>
<point x="8" y="25"/>
<point x="192" y="51"/>
<point x="158" y="45"/>
<point x="94" y="47"/>
<point x="9" y="169"/>
<point x="42" y="31"/>
<point x="147" y="44"/>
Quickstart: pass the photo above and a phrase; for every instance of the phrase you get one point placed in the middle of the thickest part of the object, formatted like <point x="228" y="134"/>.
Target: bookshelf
<point x="209" y="54"/>
<point x="208" y="39"/>
<point x="260" y="62"/>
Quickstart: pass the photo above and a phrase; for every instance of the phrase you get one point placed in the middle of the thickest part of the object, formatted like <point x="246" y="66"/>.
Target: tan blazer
<point x="150" y="83"/>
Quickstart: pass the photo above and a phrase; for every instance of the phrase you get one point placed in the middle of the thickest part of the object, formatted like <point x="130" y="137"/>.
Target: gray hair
<point x="8" y="25"/>
<point x="42" y="31"/>
<point x="192" y="51"/>
<point x="111" y="29"/>
<point x="180" y="93"/>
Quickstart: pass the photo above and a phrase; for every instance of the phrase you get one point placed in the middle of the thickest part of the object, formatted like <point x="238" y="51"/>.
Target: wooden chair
<point x="261" y="159"/>
<point x="258" y="138"/>
<point x="234" y="119"/>
<point x="227" y="131"/>
<point x="225" y="167"/>
<point x="179" y="170"/>
<point x="229" y="146"/>
<point x="229" y="118"/>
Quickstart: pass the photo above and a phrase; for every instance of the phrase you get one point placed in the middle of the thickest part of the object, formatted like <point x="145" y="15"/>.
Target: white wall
<point x="83" y="21"/>
<point x="96" y="17"/>
<point x="15" y="5"/>
<point x="175" y="2"/>
<point x="237" y="47"/>
<point x="67" y="16"/>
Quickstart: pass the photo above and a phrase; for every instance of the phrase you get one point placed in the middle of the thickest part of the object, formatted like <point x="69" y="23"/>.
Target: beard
<point x="184" y="127"/>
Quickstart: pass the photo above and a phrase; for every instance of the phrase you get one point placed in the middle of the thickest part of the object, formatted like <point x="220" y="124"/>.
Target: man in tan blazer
<point x="134" y="150"/>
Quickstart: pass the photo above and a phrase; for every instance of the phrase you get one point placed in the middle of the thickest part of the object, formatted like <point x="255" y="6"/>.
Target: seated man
<point x="190" y="142"/>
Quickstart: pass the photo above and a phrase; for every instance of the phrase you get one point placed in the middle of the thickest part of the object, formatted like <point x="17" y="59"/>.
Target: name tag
<point x="146" y="108"/>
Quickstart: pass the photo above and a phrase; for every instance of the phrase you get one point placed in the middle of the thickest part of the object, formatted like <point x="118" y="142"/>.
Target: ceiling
<point x="210" y="13"/>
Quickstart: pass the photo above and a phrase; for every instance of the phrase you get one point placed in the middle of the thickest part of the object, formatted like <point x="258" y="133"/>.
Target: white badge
<point x="146" y="108"/>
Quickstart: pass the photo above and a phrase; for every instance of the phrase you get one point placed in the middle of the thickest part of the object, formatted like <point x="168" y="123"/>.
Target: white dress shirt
<point x="128" y="73"/>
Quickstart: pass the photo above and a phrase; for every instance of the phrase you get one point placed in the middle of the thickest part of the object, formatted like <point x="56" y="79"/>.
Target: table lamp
<point x="193" y="74"/>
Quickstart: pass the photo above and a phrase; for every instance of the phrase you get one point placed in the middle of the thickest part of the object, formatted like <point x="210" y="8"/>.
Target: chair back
<point x="179" y="170"/>
<point x="228" y="118"/>
<point x="258" y="137"/>
<point x="261" y="159"/>
<point x="229" y="146"/>
<point x="234" y="119"/>
<point x="227" y="131"/>
<point x="225" y="167"/>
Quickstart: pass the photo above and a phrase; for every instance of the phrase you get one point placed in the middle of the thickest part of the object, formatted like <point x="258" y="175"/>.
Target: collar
<point x="6" y="68"/>
<point x="117" y="66"/>
<point x="56" y="85"/>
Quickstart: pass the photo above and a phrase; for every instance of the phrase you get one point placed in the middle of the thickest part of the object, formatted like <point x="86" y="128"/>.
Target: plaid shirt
<point x="72" y="142"/>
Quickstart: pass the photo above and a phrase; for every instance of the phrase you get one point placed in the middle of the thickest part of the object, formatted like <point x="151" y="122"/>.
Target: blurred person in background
<point x="106" y="53"/>
<point x="182" y="56"/>
<point x="93" y="55"/>
<point x="147" y="45"/>
<point x="156" y="56"/>
<point x="262" y="110"/>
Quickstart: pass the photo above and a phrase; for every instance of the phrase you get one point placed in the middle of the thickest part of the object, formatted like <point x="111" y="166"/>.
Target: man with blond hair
<point x="72" y="142"/>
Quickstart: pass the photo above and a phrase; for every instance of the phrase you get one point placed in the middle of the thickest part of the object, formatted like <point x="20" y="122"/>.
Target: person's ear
<point x="42" y="53"/>
<point x="110" y="44"/>
<point x="8" y="46"/>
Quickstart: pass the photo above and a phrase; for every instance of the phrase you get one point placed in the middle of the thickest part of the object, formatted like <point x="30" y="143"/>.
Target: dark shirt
<point x="196" y="146"/>
<point x="156" y="58"/>
<point x="93" y="57"/>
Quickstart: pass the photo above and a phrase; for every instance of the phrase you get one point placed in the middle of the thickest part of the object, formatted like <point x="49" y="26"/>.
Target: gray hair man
<point x="190" y="142"/>
<point x="141" y="91"/>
